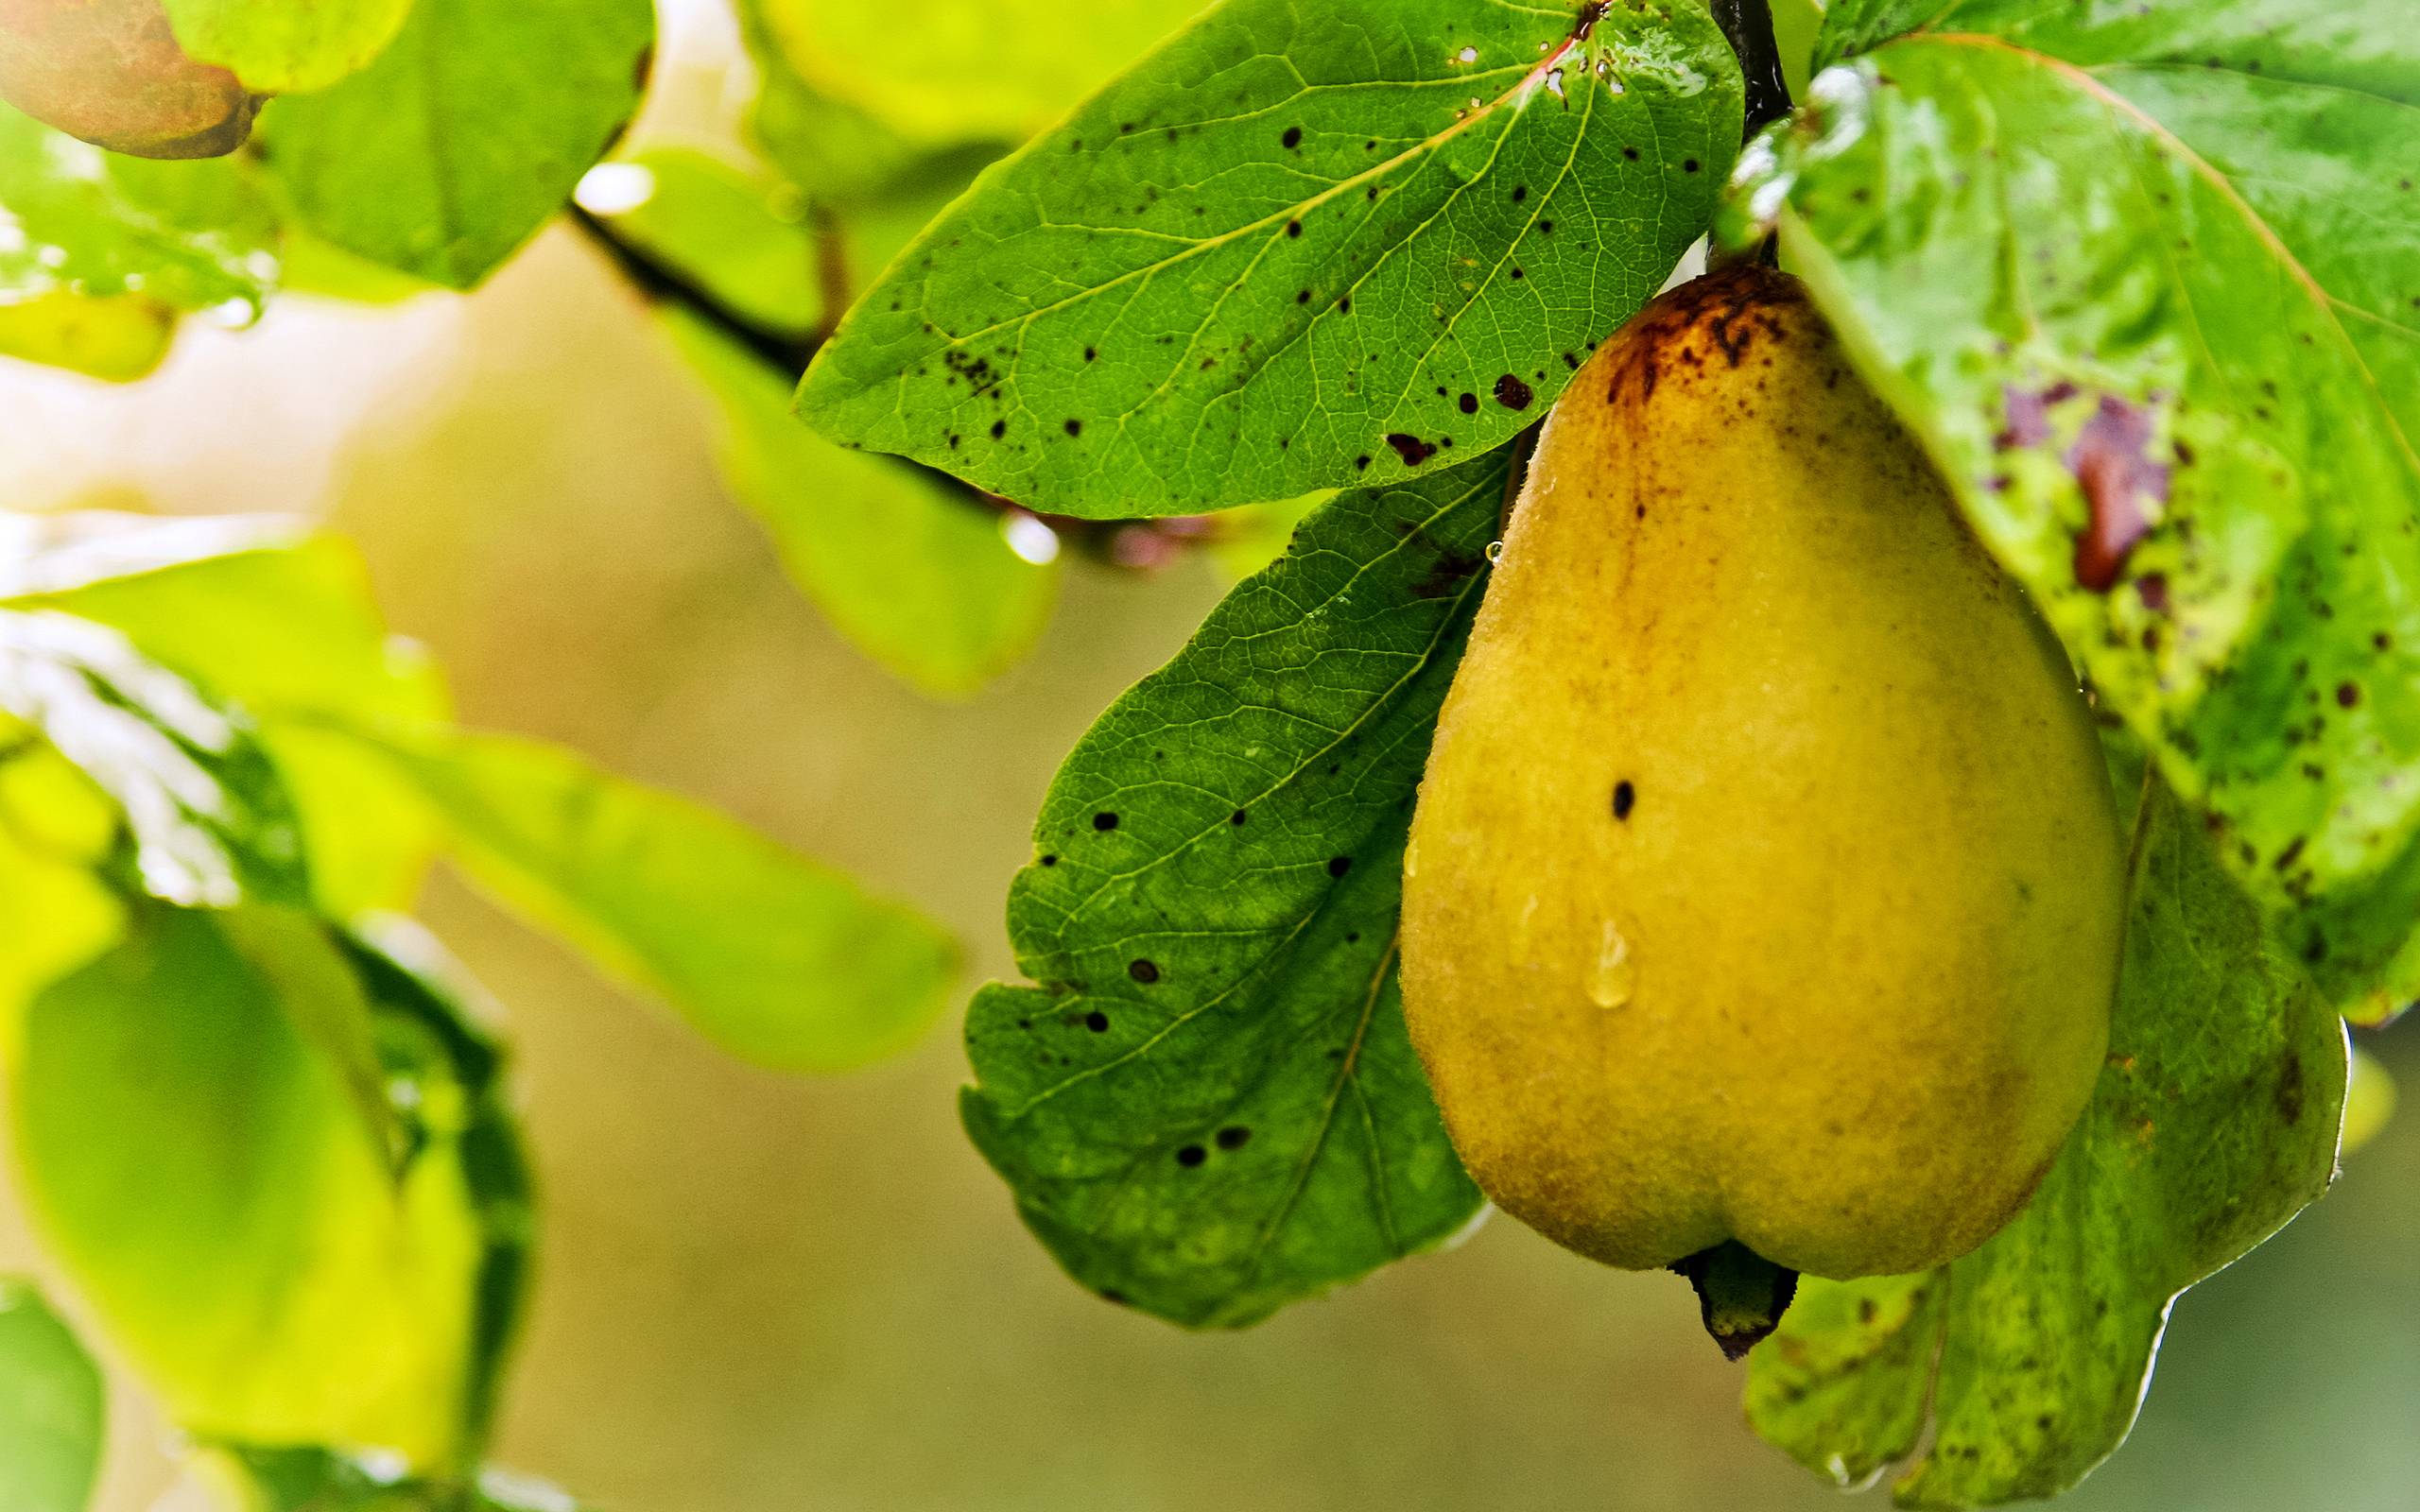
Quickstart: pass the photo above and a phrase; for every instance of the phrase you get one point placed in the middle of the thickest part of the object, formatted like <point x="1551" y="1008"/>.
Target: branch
<point x="1749" y="24"/>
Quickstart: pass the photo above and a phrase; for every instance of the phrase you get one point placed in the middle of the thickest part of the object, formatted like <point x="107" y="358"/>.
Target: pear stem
<point x="1742" y="1294"/>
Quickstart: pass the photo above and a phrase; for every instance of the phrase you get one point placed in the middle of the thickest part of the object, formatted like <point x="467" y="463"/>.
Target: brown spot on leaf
<point x="1410" y="448"/>
<point x="2122" y="486"/>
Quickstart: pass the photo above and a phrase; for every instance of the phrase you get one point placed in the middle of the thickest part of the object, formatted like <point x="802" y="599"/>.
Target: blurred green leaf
<point x="195" y="1162"/>
<point x="2144" y="279"/>
<point x="313" y="267"/>
<point x="453" y="1098"/>
<point x="2369" y="1102"/>
<point x="913" y="570"/>
<point x="1250" y="538"/>
<point x="51" y="1408"/>
<point x="1298" y="247"/>
<point x="284" y="47"/>
<point x="774" y="957"/>
<point x="320" y="1480"/>
<point x="769" y="252"/>
<point x="118" y="339"/>
<point x="955" y="69"/>
<point x="191" y="236"/>
<point x="743" y="238"/>
<point x="281" y="622"/>
<point x="1207" y="1106"/>
<point x="211" y="822"/>
<point x="465" y="135"/>
<point x="54" y="826"/>
<point x="2215" y="1121"/>
<point x="840" y="155"/>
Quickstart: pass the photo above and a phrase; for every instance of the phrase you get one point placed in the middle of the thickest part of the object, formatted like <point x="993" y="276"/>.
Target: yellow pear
<point x="1765" y="883"/>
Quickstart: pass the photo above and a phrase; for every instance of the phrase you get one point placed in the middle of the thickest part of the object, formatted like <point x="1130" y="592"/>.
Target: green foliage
<point x="2215" y="1121"/>
<point x="118" y="338"/>
<point x="1301" y="247"/>
<point x="906" y="563"/>
<point x="278" y="46"/>
<point x="315" y="1480"/>
<point x="841" y="155"/>
<point x="281" y="624"/>
<point x="466" y="134"/>
<point x="211" y="823"/>
<point x="969" y="69"/>
<point x="743" y="238"/>
<point x="773" y="956"/>
<point x="50" y="1408"/>
<point x="190" y="235"/>
<point x="1207" y="1105"/>
<point x="277" y="1266"/>
<point x="2143" y="282"/>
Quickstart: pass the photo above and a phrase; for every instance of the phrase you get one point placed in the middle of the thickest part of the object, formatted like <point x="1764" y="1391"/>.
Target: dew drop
<point x="1611" y="981"/>
<point x="1412" y="857"/>
<point x="1495" y="551"/>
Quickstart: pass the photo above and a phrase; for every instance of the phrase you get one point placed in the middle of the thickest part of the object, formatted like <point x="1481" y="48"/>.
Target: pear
<point x="110" y="72"/>
<point x="1766" y="885"/>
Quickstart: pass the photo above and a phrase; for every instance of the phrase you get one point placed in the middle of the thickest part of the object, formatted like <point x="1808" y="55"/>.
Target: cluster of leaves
<point x="257" y="1124"/>
<point x="2141" y="278"/>
<point x="417" y="146"/>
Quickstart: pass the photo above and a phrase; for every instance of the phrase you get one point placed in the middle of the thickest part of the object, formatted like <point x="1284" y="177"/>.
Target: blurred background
<point x="767" y="1293"/>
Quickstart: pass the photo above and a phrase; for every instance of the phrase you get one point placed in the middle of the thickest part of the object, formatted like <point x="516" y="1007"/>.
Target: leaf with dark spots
<point x="1512" y="393"/>
<point x="1410" y="448"/>
<point x="1331" y="163"/>
<point x="1252" y="1126"/>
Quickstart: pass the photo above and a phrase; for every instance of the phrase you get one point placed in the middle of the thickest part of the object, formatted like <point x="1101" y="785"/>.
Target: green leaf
<point x="430" y="1042"/>
<point x="55" y="827"/>
<point x="281" y="622"/>
<point x="51" y="1408"/>
<point x="321" y="1480"/>
<point x="211" y="822"/>
<point x="839" y="154"/>
<point x="195" y="1161"/>
<point x="770" y="252"/>
<point x="965" y="68"/>
<point x="776" y="957"/>
<point x="2215" y="1121"/>
<point x="191" y="236"/>
<point x="911" y="568"/>
<point x="744" y="238"/>
<point x="469" y="131"/>
<point x="118" y="339"/>
<point x="2145" y="281"/>
<point x="284" y="47"/>
<point x="1209" y="1105"/>
<point x="1298" y="247"/>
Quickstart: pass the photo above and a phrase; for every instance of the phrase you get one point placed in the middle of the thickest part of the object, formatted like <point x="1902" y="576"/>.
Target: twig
<point x="1749" y="24"/>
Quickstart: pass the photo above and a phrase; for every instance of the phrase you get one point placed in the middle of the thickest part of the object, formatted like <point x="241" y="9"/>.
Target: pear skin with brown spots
<point x="1766" y="882"/>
